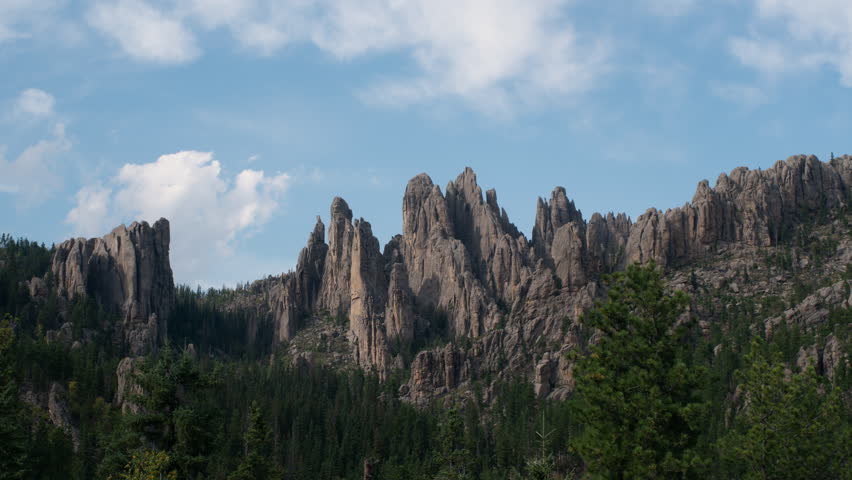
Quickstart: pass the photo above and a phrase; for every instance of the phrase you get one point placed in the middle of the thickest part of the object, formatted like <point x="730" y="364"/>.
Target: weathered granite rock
<point x="435" y="373"/>
<point x="512" y="306"/>
<point x="334" y="295"/>
<point x="498" y="251"/>
<point x="127" y="271"/>
<point x="127" y="386"/>
<point x="400" y="319"/>
<point x="815" y="308"/>
<point x="60" y="413"/>
<point x="310" y="267"/>
<point x="752" y="207"/>
<point x="368" y="292"/>
<point x="549" y="216"/>
<point x="440" y="272"/>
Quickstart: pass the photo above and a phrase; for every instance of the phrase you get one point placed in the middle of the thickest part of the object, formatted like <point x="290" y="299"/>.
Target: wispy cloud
<point x="34" y="102"/>
<point x="32" y="176"/>
<point x="144" y="32"/>
<point x="794" y="35"/>
<point x="492" y="54"/>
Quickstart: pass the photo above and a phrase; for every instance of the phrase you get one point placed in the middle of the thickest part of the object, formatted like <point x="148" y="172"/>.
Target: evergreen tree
<point x="453" y="459"/>
<point x="13" y="433"/>
<point x="257" y="461"/>
<point x="637" y="398"/>
<point x="790" y="426"/>
<point x="149" y="465"/>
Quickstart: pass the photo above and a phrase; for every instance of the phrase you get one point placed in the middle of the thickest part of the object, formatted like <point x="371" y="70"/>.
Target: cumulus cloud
<point x="35" y="102"/>
<point x="208" y="212"/>
<point x="144" y="32"/>
<point x="32" y="177"/>
<point x="794" y="35"/>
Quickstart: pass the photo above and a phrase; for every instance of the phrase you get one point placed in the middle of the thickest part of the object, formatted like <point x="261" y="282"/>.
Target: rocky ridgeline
<point x="128" y="272"/>
<point x="462" y="275"/>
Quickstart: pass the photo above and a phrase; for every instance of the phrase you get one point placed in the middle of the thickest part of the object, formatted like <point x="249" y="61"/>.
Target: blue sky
<point x="240" y="120"/>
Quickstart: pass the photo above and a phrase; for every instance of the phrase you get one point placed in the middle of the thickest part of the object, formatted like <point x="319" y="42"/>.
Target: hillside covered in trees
<point x="708" y="341"/>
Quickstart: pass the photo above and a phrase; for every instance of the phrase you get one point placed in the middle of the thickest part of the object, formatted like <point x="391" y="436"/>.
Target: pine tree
<point x="790" y="425"/>
<point x="149" y="465"/>
<point x="257" y="462"/>
<point x="453" y="459"/>
<point x="638" y="399"/>
<point x="13" y="433"/>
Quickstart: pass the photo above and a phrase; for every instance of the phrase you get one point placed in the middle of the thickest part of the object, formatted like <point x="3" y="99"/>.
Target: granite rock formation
<point x="462" y="276"/>
<point x="462" y="272"/>
<point x="127" y="271"/>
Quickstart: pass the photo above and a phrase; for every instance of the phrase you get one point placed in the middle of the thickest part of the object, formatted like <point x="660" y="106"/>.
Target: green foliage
<point x="13" y="434"/>
<point x="233" y="412"/>
<point x="638" y="398"/>
<point x="258" y="449"/>
<point x="148" y="465"/>
<point x="787" y="428"/>
<point x="453" y="459"/>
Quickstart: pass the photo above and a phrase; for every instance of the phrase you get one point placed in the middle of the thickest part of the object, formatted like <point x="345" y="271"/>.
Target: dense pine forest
<point x="652" y="400"/>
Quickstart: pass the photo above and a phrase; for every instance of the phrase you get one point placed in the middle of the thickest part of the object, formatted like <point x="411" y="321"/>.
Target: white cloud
<point x="492" y="53"/>
<point x="487" y="52"/>
<point x="144" y="32"/>
<point x="32" y="177"/>
<point x="18" y="18"/>
<point x="799" y="35"/>
<point x="208" y="212"/>
<point x="35" y="102"/>
<point x="92" y="211"/>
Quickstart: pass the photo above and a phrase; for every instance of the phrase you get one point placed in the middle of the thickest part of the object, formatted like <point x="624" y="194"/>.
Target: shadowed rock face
<point x="127" y="271"/>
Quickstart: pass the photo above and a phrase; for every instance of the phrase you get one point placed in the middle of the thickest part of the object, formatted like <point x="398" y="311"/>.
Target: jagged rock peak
<point x="334" y="292"/>
<point x="466" y="186"/>
<point x="339" y="208"/>
<point x="424" y="210"/>
<point x="754" y="207"/>
<point x="127" y="271"/>
<point x="318" y="235"/>
<point x="550" y="217"/>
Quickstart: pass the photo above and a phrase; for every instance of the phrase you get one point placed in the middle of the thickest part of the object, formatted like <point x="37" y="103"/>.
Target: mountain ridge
<point x="462" y="275"/>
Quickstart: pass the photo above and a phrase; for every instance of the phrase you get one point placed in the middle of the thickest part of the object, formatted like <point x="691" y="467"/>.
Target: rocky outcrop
<point x="334" y="295"/>
<point x="127" y="387"/>
<point x="815" y="309"/>
<point x="751" y="207"/>
<point x="127" y="271"/>
<point x="293" y="296"/>
<point x="309" y="269"/>
<point x="435" y="373"/>
<point x="368" y="294"/>
<point x="440" y="271"/>
<point x="499" y="253"/>
<point x="60" y="413"/>
<point x="549" y="217"/>
<point x="461" y="272"/>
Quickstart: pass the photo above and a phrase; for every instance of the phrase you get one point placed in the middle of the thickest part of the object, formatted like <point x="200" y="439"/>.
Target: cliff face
<point x="462" y="275"/>
<point x="127" y="271"/>
<point x="462" y="271"/>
